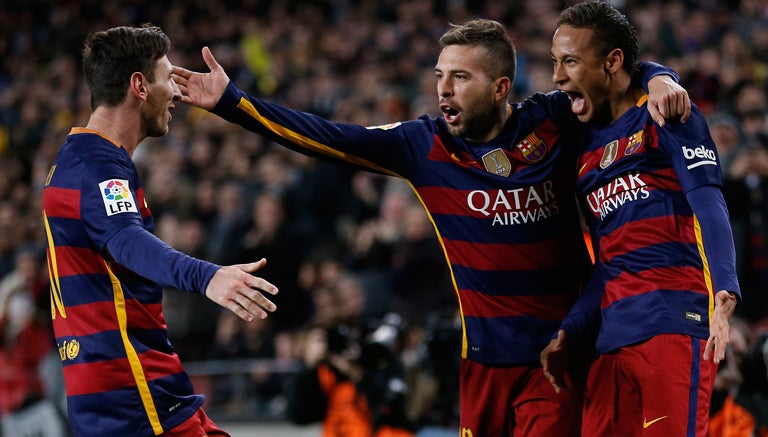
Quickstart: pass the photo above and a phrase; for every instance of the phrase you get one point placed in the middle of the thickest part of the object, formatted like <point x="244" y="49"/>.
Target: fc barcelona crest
<point x="497" y="162"/>
<point x="634" y="142"/>
<point x="609" y="154"/>
<point x="532" y="147"/>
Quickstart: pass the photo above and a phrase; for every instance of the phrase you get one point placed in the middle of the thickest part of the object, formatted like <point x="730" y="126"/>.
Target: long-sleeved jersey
<point x="122" y="375"/>
<point x="659" y="226"/>
<point x="504" y="211"/>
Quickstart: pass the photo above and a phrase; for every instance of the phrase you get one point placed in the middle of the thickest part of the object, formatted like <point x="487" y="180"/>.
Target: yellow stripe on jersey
<point x="705" y="265"/>
<point x="450" y="268"/>
<point x="306" y="142"/>
<point x="642" y="100"/>
<point x="133" y="357"/>
<point x="57" y="302"/>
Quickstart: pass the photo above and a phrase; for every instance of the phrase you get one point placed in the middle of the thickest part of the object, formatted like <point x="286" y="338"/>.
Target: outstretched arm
<point x="202" y="89"/>
<point x="232" y="287"/>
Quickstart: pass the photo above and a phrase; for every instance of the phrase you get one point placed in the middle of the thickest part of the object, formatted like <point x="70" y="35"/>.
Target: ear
<point x="502" y="87"/>
<point x="614" y="60"/>
<point x="138" y="86"/>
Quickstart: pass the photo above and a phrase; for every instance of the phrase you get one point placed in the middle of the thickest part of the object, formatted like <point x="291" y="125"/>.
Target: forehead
<point x="163" y="66"/>
<point x="569" y="40"/>
<point x="471" y="58"/>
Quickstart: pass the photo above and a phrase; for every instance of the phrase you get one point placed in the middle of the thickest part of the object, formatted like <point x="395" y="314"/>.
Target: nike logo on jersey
<point x="646" y="423"/>
<point x="581" y="170"/>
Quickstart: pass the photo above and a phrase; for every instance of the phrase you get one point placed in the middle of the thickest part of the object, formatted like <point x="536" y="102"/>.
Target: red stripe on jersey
<point x="445" y="200"/>
<point x="440" y="153"/>
<point x="642" y="233"/>
<point x="532" y="256"/>
<point x="667" y="278"/>
<point x="80" y="320"/>
<point x="77" y="261"/>
<point x="98" y="377"/>
<point x="665" y="178"/>
<point x="549" y="307"/>
<point x="104" y="376"/>
<point x="143" y="208"/>
<point x="61" y="202"/>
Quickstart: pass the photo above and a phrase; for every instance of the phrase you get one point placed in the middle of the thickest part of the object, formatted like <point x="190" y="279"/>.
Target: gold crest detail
<point x="609" y="154"/>
<point x="73" y="349"/>
<point x="497" y="162"/>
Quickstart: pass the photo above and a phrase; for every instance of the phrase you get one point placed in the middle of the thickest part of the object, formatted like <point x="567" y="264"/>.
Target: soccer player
<point x="665" y="285"/>
<point x="107" y="269"/>
<point x="498" y="184"/>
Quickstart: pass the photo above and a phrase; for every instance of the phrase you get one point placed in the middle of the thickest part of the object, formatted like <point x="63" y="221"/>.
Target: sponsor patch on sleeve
<point x="117" y="197"/>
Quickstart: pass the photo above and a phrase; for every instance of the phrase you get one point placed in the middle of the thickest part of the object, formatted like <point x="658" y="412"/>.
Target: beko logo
<point x="701" y="154"/>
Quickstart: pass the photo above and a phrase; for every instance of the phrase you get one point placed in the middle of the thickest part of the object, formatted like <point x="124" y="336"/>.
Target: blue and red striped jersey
<point x="504" y="211"/>
<point x="657" y="271"/>
<point x="122" y="375"/>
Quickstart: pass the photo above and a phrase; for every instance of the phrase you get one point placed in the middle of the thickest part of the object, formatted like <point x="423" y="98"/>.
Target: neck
<point x="623" y="96"/>
<point x="120" y="124"/>
<point x="501" y="116"/>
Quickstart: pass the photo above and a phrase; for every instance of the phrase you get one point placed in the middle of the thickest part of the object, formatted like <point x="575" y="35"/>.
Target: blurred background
<point x="352" y="252"/>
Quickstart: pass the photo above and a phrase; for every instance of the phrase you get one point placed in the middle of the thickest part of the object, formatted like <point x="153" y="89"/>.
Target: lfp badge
<point x="117" y="196"/>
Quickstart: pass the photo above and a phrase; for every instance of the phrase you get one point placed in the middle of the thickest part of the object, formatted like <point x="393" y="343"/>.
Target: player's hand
<point x="202" y="89"/>
<point x="667" y="99"/>
<point x="234" y="288"/>
<point x="554" y="361"/>
<point x="719" y="326"/>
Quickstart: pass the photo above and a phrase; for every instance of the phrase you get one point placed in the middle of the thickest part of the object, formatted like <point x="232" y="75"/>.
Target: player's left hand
<point x="234" y="288"/>
<point x="719" y="326"/>
<point x="554" y="361"/>
<point x="667" y="99"/>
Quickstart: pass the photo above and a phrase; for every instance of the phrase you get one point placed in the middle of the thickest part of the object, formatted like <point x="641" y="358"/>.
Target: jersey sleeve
<point x="692" y="152"/>
<point x="648" y="70"/>
<point x="711" y="212"/>
<point x="583" y="321"/>
<point x="395" y="149"/>
<point x="140" y="251"/>
<point x="114" y="223"/>
<point x="109" y="200"/>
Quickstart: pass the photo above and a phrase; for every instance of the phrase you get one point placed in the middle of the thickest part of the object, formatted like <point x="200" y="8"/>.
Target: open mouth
<point x="578" y="105"/>
<point x="450" y="113"/>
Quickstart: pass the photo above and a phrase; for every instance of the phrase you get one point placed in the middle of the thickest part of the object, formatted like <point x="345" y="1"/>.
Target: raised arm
<point x="202" y="89"/>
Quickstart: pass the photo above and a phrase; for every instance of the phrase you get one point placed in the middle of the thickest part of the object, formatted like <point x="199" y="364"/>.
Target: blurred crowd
<point x="346" y="248"/>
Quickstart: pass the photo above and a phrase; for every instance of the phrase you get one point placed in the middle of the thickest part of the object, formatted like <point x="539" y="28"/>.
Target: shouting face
<point x="467" y="93"/>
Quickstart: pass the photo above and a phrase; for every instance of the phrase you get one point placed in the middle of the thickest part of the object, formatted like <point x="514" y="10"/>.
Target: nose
<point x="558" y="73"/>
<point x="176" y="91"/>
<point x="444" y="88"/>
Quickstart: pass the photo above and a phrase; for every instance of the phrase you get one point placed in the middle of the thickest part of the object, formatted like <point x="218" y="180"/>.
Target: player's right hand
<point x="201" y="89"/>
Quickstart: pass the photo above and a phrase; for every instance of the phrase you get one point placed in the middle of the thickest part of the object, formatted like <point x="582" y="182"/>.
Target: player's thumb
<point x="209" y="59"/>
<point x="252" y="267"/>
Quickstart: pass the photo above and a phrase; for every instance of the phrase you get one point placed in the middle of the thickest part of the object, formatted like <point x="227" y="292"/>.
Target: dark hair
<point x="611" y="29"/>
<point x="110" y="57"/>
<point x="493" y="37"/>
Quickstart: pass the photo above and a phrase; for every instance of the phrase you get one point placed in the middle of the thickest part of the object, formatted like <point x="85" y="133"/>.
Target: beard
<point x="476" y="123"/>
